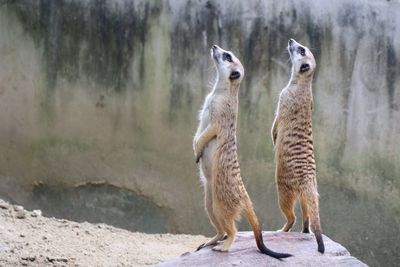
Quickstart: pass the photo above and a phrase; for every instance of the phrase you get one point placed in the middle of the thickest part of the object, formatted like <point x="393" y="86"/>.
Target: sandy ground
<point x="29" y="239"/>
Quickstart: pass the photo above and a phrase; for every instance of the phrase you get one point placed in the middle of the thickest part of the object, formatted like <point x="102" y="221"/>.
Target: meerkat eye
<point x="226" y="56"/>
<point x="302" y="51"/>
<point x="304" y="67"/>
<point x="234" y="75"/>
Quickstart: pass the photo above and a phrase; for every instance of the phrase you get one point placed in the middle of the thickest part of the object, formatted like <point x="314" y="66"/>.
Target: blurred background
<point x="99" y="102"/>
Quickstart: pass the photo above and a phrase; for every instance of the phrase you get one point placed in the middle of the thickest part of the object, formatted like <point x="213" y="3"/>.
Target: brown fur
<point x="293" y="139"/>
<point x="215" y="145"/>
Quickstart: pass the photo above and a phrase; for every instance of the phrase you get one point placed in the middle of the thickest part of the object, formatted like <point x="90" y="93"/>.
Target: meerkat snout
<point x="294" y="46"/>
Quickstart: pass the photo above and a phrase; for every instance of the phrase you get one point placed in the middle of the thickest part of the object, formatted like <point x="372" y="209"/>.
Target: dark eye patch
<point x="234" y="75"/>
<point x="302" y="51"/>
<point x="226" y="56"/>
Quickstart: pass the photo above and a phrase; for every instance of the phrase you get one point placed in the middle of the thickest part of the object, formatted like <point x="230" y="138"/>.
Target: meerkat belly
<point x="296" y="164"/>
<point x="207" y="159"/>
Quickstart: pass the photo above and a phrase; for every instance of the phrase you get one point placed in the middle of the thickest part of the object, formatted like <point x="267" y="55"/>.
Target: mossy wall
<point x="106" y="93"/>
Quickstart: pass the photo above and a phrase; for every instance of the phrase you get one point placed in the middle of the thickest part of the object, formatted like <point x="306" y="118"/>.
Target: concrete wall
<point x="99" y="99"/>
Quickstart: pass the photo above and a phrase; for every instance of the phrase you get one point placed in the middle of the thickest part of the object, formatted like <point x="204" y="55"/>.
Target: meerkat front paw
<point x="198" y="157"/>
<point x="197" y="152"/>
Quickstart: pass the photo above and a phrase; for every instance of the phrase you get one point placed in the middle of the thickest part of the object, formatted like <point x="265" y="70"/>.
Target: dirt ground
<point x="29" y="239"/>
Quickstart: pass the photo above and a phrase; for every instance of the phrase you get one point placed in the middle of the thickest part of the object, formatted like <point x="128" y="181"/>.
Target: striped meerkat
<point x="215" y="148"/>
<point x="293" y="140"/>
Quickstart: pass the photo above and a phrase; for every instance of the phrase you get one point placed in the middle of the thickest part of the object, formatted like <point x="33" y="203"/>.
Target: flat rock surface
<point x="244" y="252"/>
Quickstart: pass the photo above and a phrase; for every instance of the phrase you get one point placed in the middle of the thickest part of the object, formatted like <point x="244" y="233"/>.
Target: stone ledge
<point x="244" y="252"/>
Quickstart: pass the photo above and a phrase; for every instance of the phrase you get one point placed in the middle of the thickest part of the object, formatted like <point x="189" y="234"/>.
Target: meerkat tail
<point x="252" y="218"/>
<point x="315" y="223"/>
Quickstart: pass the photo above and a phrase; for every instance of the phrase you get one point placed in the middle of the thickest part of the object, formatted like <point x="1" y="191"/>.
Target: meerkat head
<point x="303" y="62"/>
<point x="229" y="67"/>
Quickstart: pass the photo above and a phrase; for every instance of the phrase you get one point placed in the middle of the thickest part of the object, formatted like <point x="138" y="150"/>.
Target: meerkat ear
<point x="304" y="67"/>
<point x="234" y="75"/>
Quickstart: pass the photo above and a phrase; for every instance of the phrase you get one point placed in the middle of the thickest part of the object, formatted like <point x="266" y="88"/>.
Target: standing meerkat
<point x="294" y="152"/>
<point x="215" y="148"/>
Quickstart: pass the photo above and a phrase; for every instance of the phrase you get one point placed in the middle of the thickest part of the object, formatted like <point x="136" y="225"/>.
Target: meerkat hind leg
<point x="213" y="241"/>
<point x="306" y="216"/>
<point x="231" y="231"/>
<point x="209" y="208"/>
<point x="286" y="202"/>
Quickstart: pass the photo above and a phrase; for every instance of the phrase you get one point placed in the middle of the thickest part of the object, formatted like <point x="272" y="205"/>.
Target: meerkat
<point x="293" y="140"/>
<point x="215" y="150"/>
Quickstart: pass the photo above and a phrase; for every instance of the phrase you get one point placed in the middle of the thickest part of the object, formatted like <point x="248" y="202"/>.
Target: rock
<point x="54" y="259"/>
<point x="20" y="213"/>
<point x="36" y="213"/>
<point x="29" y="258"/>
<point x="244" y="252"/>
<point x="4" y="248"/>
<point x="4" y="205"/>
<point x="18" y="208"/>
